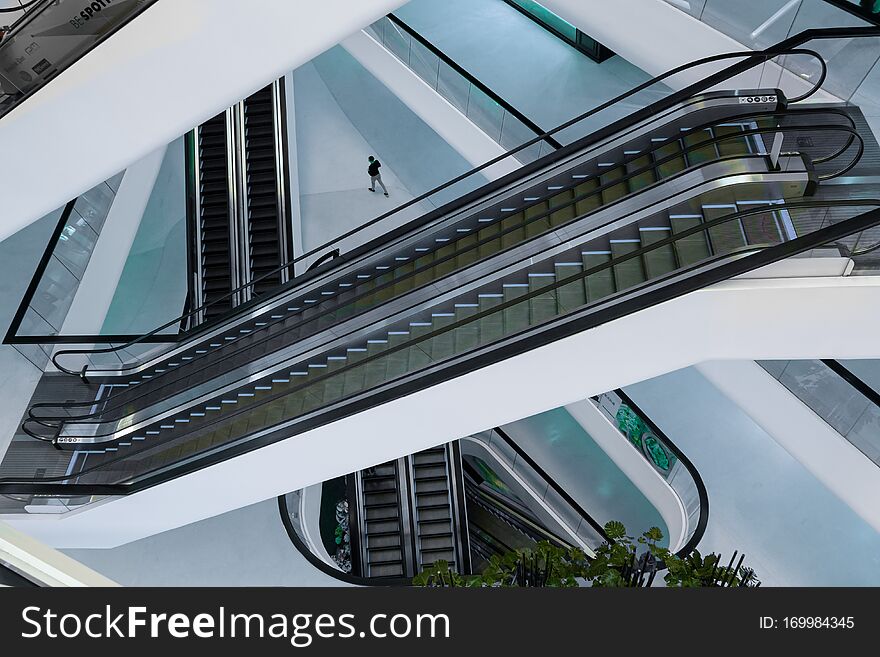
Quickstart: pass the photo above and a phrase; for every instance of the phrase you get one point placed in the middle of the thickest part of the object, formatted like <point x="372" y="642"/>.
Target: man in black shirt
<point x="375" y="176"/>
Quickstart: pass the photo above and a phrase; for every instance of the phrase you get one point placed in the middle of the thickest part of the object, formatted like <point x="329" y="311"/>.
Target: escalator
<point x="266" y="221"/>
<point x="383" y="534"/>
<point x="214" y="244"/>
<point x="406" y="514"/>
<point x="239" y="235"/>
<point x="654" y="206"/>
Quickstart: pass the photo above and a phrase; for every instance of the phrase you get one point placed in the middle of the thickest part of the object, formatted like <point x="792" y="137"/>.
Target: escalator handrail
<point x="643" y="169"/>
<point x="822" y="236"/>
<point x="750" y="60"/>
<point x="852" y="379"/>
<point x="853" y="135"/>
<point x="638" y="253"/>
<point x="702" y="493"/>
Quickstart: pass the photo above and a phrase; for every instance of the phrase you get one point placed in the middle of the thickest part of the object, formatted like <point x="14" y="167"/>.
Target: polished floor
<point x="762" y="502"/>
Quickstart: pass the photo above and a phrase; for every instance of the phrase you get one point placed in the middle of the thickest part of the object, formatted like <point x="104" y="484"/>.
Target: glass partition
<point x="53" y="35"/>
<point x="841" y="405"/>
<point x="852" y="62"/>
<point x="54" y="287"/>
<point x="501" y="122"/>
<point x="658" y="450"/>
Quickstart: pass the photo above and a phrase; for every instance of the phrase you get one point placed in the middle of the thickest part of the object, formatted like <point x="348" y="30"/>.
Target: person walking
<point x="375" y="176"/>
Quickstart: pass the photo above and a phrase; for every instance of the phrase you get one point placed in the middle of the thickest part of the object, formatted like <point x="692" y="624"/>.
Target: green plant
<point x="545" y="565"/>
<point x="617" y="562"/>
<point x="695" y="570"/>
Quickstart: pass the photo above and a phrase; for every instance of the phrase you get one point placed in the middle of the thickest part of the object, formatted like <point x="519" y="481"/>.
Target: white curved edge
<point x="652" y="485"/>
<point x="310" y="515"/>
<point x="570" y="532"/>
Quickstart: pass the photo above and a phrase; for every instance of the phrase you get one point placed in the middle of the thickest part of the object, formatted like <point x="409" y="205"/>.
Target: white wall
<point x="176" y="65"/>
<point x="738" y="319"/>
<point x="636" y="468"/>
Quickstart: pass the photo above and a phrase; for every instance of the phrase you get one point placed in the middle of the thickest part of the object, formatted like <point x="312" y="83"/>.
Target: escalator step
<point x="601" y="283"/>
<point x="701" y="154"/>
<point x="659" y="260"/>
<point x="613" y="191"/>
<point x="728" y="235"/>
<point x="668" y="149"/>
<point x="537" y="219"/>
<point x="693" y="248"/>
<point x="761" y="228"/>
<point x="570" y="295"/>
<point x="515" y="316"/>
<point x="588" y="198"/>
<point x="628" y="273"/>
<point x="638" y="181"/>
<point x="732" y="145"/>
<point x="542" y="307"/>
<point x="562" y="208"/>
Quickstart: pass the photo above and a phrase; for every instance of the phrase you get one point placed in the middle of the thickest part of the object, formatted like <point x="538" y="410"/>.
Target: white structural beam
<point x="739" y="319"/>
<point x="173" y="67"/>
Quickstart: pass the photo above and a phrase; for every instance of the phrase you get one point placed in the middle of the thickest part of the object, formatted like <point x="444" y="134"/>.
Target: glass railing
<point x="851" y="410"/>
<point x="49" y="298"/>
<point x="487" y="110"/>
<point x="653" y="445"/>
<point x="565" y="510"/>
<point x="757" y="24"/>
<point x="52" y="36"/>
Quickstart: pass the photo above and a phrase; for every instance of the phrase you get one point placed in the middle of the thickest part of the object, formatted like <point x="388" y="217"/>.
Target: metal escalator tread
<point x="728" y="235"/>
<point x="693" y="248"/>
<point x="612" y="191"/>
<point x="659" y="260"/>
<point x="630" y="272"/>
<point x="433" y="510"/>
<point x="731" y="145"/>
<point x="700" y="154"/>
<point x="763" y="228"/>
<point x="601" y="283"/>
<point x="264" y="236"/>
<point x="643" y="179"/>
<point x="588" y="198"/>
<point x="214" y="219"/>
<point x="573" y="294"/>
<point x="383" y="537"/>
<point x="542" y="306"/>
<point x="676" y="162"/>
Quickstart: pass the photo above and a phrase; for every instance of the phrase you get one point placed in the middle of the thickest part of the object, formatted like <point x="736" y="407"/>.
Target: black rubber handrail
<point x="702" y="493"/>
<point x="701" y="228"/>
<point x="853" y="135"/>
<point x="750" y="60"/>
<point x="528" y="339"/>
<point x="510" y="109"/>
<point x="46" y="420"/>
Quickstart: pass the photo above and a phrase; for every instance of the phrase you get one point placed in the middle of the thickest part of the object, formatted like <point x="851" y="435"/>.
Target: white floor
<point x="246" y="547"/>
<point x="540" y="75"/>
<point x="343" y="115"/>
<point x="762" y="502"/>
